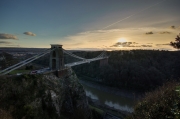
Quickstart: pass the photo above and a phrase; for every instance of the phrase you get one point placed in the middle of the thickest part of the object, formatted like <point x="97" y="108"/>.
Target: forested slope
<point x="141" y="70"/>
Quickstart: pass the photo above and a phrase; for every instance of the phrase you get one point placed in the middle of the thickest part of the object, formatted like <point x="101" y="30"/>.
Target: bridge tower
<point x="104" y="62"/>
<point x="56" y="57"/>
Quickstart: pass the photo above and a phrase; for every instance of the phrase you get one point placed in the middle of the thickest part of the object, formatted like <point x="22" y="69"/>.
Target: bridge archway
<point x="54" y="54"/>
<point x="53" y="63"/>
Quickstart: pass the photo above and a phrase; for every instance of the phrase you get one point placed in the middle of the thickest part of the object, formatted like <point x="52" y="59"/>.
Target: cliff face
<point x="43" y="97"/>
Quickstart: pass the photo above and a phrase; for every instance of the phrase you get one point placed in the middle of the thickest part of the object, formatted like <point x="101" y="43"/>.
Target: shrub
<point x="163" y="103"/>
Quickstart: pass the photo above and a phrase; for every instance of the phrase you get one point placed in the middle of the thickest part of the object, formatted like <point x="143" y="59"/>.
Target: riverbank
<point x="110" y="99"/>
<point x="124" y="93"/>
<point x="107" y="109"/>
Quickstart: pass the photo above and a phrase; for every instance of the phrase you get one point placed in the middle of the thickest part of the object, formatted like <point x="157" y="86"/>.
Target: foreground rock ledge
<point x="43" y="97"/>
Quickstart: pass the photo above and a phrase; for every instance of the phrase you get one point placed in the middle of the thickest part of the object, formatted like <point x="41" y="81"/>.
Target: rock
<point x="43" y="97"/>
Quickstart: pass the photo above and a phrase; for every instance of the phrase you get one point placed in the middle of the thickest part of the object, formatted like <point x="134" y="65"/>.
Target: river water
<point x="116" y="101"/>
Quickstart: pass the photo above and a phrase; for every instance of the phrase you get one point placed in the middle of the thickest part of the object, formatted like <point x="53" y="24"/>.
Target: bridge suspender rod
<point x="98" y="55"/>
<point x="84" y="61"/>
<point x="23" y="61"/>
<point x="42" y="54"/>
<point x="81" y="57"/>
<point x="73" y="55"/>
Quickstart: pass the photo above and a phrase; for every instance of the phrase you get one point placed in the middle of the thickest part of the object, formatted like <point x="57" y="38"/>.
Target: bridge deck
<point x="84" y="61"/>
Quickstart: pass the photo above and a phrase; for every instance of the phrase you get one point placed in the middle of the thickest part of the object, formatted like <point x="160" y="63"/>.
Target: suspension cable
<point x="23" y="61"/>
<point x="9" y="69"/>
<point x="81" y="57"/>
<point x="73" y="55"/>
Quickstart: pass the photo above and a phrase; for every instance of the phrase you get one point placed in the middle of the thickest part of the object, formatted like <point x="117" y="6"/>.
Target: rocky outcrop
<point x="43" y="97"/>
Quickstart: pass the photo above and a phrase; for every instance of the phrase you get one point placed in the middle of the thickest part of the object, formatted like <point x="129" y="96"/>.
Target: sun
<point x="122" y="40"/>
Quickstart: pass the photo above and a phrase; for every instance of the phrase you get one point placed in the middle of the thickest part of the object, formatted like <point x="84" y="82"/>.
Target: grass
<point x="19" y="71"/>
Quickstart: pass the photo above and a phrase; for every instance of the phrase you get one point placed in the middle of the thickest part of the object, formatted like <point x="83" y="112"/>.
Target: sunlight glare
<point x="122" y="40"/>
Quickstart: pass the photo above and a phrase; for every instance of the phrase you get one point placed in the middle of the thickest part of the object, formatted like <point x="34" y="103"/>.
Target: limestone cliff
<point x="43" y="97"/>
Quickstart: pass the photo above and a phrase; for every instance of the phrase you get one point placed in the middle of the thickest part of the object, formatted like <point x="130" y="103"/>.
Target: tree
<point x="176" y="44"/>
<point x="162" y="103"/>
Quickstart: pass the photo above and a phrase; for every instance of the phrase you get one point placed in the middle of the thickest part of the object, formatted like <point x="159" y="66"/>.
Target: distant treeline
<point x="141" y="70"/>
<point x="6" y="60"/>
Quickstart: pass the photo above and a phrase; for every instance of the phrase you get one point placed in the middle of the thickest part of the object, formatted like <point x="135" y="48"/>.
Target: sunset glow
<point x="122" y="40"/>
<point x="148" y="24"/>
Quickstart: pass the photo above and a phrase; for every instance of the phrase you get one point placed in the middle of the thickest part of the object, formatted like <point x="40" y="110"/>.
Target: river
<point x="118" y="102"/>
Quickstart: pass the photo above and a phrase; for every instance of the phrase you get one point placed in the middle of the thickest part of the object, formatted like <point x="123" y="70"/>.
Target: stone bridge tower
<point x="56" y="57"/>
<point x="104" y="62"/>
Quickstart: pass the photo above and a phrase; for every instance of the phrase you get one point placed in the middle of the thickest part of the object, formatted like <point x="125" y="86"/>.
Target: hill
<point x="43" y="97"/>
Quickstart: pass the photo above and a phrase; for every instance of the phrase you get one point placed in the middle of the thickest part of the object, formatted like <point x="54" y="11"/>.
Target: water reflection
<point x="118" y="102"/>
<point x="91" y="95"/>
<point x="117" y="106"/>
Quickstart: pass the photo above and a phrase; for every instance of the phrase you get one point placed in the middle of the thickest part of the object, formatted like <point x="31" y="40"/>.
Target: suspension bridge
<point x="57" y="59"/>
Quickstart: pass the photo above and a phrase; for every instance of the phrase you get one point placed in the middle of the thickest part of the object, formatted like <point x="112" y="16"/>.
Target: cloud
<point x="4" y="42"/>
<point x="165" y="32"/>
<point x="29" y="33"/>
<point x="134" y="38"/>
<point x="129" y="44"/>
<point x="149" y="33"/>
<point x="75" y="44"/>
<point x="146" y="45"/>
<point x="172" y="27"/>
<point x="124" y="44"/>
<point x="13" y="45"/>
<point x="162" y="44"/>
<point x="8" y="36"/>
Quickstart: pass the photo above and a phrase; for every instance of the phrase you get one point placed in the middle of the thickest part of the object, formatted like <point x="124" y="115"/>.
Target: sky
<point x="90" y="24"/>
